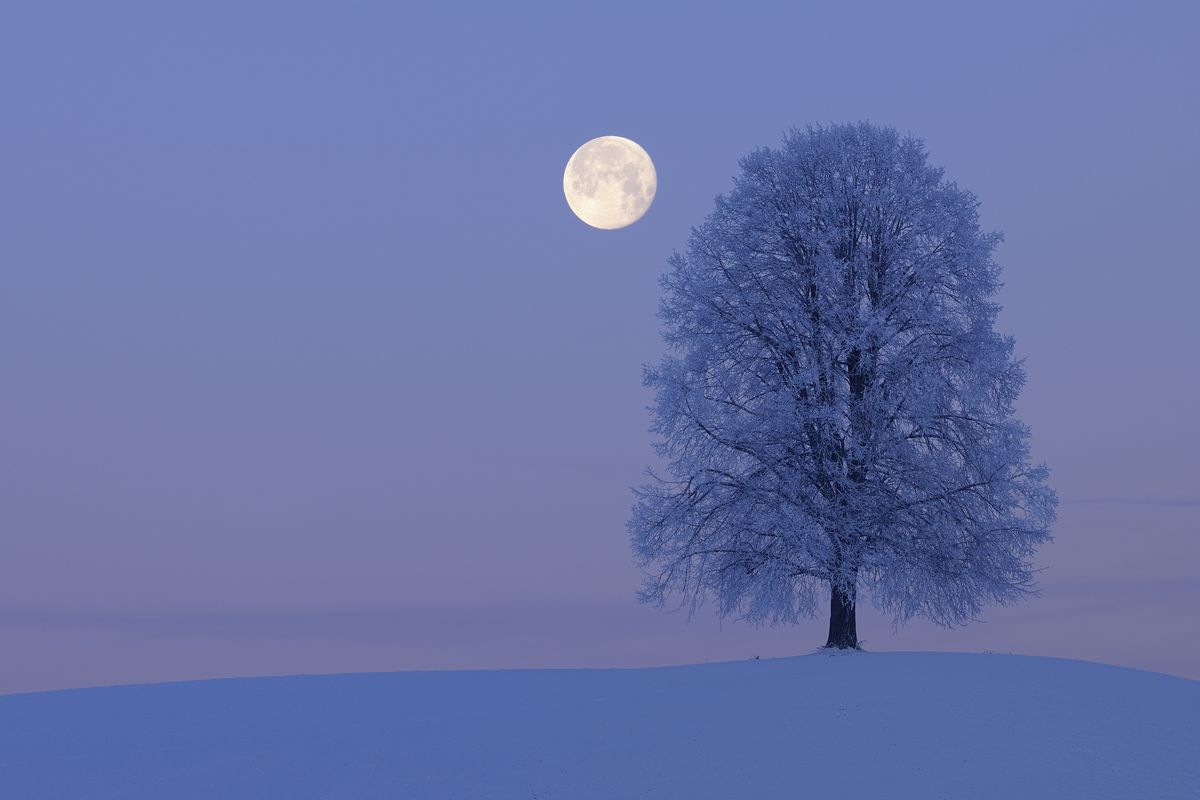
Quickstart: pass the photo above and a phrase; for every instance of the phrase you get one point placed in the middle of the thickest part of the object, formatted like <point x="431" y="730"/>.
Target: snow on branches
<point x="834" y="407"/>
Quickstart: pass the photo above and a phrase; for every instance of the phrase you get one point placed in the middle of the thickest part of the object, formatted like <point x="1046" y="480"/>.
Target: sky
<point x="308" y="367"/>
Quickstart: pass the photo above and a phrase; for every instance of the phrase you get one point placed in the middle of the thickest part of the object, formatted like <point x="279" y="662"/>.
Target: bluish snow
<point x="869" y="725"/>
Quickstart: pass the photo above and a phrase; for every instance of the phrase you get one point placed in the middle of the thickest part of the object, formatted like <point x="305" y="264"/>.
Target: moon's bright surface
<point x="610" y="182"/>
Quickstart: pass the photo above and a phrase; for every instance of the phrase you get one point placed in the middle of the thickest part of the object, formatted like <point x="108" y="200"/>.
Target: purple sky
<point x="308" y="367"/>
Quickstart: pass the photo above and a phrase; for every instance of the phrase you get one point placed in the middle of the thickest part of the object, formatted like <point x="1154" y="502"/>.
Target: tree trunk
<point x="843" y="629"/>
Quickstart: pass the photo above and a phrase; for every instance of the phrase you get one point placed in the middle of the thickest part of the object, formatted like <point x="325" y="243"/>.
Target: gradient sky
<point x="307" y="366"/>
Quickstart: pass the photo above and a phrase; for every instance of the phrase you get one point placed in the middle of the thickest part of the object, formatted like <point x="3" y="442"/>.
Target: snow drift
<point x="896" y="725"/>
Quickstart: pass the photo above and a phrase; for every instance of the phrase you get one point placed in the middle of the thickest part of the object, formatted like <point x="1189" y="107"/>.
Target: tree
<point x="834" y="408"/>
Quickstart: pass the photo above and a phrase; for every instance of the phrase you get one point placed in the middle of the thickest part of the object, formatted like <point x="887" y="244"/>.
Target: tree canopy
<point x="834" y="409"/>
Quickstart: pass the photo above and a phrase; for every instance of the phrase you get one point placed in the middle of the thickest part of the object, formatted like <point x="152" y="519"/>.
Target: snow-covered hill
<point x="869" y="725"/>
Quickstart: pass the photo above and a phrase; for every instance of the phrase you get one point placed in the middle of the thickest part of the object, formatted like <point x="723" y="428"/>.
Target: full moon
<point x="610" y="182"/>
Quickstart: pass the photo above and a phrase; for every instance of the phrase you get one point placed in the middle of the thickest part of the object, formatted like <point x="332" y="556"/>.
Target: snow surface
<point x="870" y="725"/>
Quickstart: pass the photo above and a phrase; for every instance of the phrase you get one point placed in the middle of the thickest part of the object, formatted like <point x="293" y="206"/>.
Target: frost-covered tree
<point x="834" y="408"/>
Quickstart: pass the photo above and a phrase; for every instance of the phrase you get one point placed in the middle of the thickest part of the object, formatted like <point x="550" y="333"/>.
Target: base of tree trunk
<point x="843" y="626"/>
